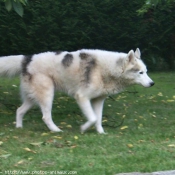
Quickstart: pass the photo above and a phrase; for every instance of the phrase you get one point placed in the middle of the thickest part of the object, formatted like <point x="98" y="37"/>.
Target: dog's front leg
<point x="97" y="105"/>
<point x="85" y="105"/>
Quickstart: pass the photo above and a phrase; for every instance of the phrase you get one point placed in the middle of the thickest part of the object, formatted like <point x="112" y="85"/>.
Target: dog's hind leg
<point x="27" y="104"/>
<point x="97" y="105"/>
<point x="44" y="97"/>
<point x="47" y="117"/>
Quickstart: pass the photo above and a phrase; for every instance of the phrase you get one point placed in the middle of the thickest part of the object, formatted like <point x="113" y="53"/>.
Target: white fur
<point x="10" y="65"/>
<point x="89" y="79"/>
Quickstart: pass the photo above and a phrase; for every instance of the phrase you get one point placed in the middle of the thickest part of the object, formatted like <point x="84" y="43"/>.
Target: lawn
<point x="140" y="126"/>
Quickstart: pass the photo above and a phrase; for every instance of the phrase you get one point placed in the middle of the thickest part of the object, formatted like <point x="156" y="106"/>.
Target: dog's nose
<point x="152" y="83"/>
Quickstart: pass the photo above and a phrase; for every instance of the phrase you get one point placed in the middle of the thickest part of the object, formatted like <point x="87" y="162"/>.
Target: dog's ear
<point x="131" y="57"/>
<point x="137" y="53"/>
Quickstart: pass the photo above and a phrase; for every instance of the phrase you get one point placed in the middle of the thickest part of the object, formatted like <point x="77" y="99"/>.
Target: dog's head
<point x="134" y="70"/>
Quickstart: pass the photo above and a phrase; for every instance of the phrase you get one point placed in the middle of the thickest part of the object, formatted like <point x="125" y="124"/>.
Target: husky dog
<point x="87" y="75"/>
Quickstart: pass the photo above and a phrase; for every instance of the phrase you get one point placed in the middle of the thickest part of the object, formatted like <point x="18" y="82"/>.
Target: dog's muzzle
<point x="152" y="84"/>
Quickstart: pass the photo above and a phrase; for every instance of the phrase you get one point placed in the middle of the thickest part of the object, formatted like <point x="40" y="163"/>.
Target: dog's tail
<point x="11" y="65"/>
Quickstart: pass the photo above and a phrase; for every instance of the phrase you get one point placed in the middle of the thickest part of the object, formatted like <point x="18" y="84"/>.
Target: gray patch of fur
<point x="26" y="61"/>
<point x="84" y="56"/>
<point x="67" y="60"/>
<point x="89" y="63"/>
<point x="58" y="52"/>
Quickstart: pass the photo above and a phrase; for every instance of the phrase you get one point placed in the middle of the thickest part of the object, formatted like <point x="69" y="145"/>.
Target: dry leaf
<point x="160" y="94"/>
<point x="141" y="141"/>
<point x="171" y="145"/>
<point x="153" y="115"/>
<point x="73" y="146"/>
<point x="75" y="137"/>
<point x="6" y="92"/>
<point x="140" y="125"/>
<point x="21" y="162"/>
<point x="170" y="101"/>
<point x="130" y="145"/>
<point x="57" y="137"/>
<point x="63" y="123"/>
<point x="15" y="137"/>
<point x="104" y="121"/>
<point x="29" y="150"/>
<point x="36" y="144"/>
<point x="30" y="158"/>
<point x="69" y="126"/>
<point x="124" y="127"/>
<point x="1" y="143"/>
<point x="44" y="134"/>
<point x="5" y="156"/>
<point x="123" y="116"/>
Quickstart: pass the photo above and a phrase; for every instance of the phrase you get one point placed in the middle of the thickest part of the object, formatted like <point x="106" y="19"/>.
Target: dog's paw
<point x="105" y="133"/>
<point x="19" y="126"/>
<point x="82" y="130"/>
<point x="56" y="130"/>
<point x="100" y="130"/>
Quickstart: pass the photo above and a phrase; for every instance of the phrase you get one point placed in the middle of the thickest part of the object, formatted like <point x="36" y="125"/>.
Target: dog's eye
<point x="140" y="72"/>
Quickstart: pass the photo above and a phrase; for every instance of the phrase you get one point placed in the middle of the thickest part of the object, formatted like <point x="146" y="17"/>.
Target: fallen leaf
<point x="63" y="123"/>
<point x="73" y="146"/>
<point x="160" y="94"/>
<point x="154" y="116"/>
<point x="69" y="126"/>
<point x="37" y="144"/>
<point x="171" y="145"/>
<point x="140" y="126"/>
<point x="130" y="145"/>
<point x="141" y="141"/>
<point x="124" y="127"/>
<point x="21" y="162"/>
<point x="75" y="137"/>
<point x="5" y="156"/>
<point x="170" y="101"/>
<point x="29" y="150"/>
<point x="3" y="152"/>
<point x="123" y="116"/>
<point x="104" y="121"/>
<point x="1" y="143"/>
<point x="30" y="158"/>
<point x="57" y="137"/>
<point x="15" y="137"/>
<point x="6" y="92"/>
<point x="44" y="134"/>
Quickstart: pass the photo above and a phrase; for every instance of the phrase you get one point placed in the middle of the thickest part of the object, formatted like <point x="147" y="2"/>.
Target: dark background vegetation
<point x="109" y="24"/>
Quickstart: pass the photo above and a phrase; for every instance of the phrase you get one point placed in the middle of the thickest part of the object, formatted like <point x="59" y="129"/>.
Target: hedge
<point x="108" y="24"/>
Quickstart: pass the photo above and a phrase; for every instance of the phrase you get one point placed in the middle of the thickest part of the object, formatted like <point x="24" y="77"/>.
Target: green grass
<point x="144" y="142"/>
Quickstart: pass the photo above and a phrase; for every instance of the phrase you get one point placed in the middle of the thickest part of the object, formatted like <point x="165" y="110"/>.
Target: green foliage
<point x="71" y="25"/>
<point x="149" y="4"/>
<point x="16" y="5"/>
<point x="68" y="25"/>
